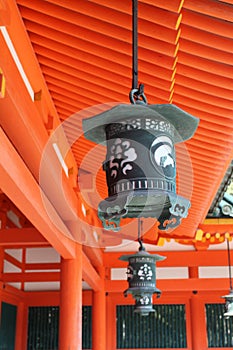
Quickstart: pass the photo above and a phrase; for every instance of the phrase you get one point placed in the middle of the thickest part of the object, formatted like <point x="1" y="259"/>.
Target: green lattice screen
<point x="7" y="326"/>
<point x="219" y="329"/>
<point x="87" y="326"/>
<point x="43" y="326"/>
<point x="165" y="328"/>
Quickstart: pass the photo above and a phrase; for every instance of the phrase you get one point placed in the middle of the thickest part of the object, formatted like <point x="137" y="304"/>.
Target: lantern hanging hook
<point x="136" y="95"/>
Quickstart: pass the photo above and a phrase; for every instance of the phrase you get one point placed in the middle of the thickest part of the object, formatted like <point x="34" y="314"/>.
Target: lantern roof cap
<point x="184" y="123"/>
<point x="229" y="296"/>
<point x="142" y="253"/>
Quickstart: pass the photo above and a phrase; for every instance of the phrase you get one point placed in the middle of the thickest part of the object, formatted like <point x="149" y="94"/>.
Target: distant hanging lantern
<point x="228" y="304"/>
<point x="141" y="276"/>
<point x="140" y="163"/>
<point x="229" y="298"/>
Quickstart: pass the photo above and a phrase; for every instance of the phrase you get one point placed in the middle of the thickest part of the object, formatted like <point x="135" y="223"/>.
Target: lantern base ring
<point x="136" y="292"/>
<point x="167" y="207"/>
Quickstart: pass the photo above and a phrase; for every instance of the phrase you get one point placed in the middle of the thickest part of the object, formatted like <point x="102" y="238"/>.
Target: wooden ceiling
<point x="84" y="51"/>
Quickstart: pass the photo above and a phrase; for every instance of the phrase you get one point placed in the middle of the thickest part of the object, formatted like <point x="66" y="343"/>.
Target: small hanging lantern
<point x="140" y="163"/>
<point x="229" y="298"/>
<point x="228" y="304"/>
<point x="141" y="277"/>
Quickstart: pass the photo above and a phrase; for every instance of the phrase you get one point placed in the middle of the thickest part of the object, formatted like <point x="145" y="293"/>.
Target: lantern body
<point x="140" y="163"/>
<point x="228" y="304"/>
<point x="141" y="276"/>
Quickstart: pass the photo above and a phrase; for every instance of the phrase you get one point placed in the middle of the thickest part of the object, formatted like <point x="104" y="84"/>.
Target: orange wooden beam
<point x="176" y="258"/>
<point x="38" y="155"/>
<point x="205" y="97"/>
<point x="218" y="10"/>
<point x="17" y="237"/>
<point x="215" y="110"/>
<point x="19" y="125"/>
<point x="9" y="258"/>
<point x="21" y="42"/>
<point x="89" y="83"/>
<point x="20" y="186"/>
<point x="206" y="38"/>
<point x="206" y="65"/>
<point x="90" y="245"/>
<point x="210" y="53"/>
<point x="167" y="19"/>
<point x="11" y="293"/>
<point x="92" y="61"/>
<point x="31" y="277"/>
<point x="173" y="6"/>
<point x="86" y="36"/>
<point x="217" y="225"/>
<point x="94" y="254"/>
<point x="177" y="285"/>
<point x="203" y="86"/>
<point x="42" y="266"/>
<point x="206" y="23"/>
<point x="42" y="298"/>
<point x="90" y="275"/>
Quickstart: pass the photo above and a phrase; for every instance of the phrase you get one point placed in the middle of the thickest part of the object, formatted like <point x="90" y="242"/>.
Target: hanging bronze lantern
<point x="141" y="276"/>
<point x="228" y="304"/>
<point x="140" y="163"/>
<point x="229" y="298"/>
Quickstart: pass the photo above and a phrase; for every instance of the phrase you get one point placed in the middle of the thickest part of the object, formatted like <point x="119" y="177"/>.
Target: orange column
<point x="1" y="272"/>
<point x="70" y="321"/>
<point x="197" y="316"/>
<point x="21" y="327"/>
<point x="198" y="323"/>
<point x="111" y="321"/>
<point x="99" y="317"/>
<point x="193" y="272"/>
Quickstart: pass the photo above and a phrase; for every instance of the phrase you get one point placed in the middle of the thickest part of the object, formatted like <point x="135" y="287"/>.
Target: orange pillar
<point x="21" y="327"/>
<point x="198" y="323"/>
<point x="193" y="272"/>
<point x="70" y="321"/>
<point x="111" y="321"/>
<point x="99" y="317"/>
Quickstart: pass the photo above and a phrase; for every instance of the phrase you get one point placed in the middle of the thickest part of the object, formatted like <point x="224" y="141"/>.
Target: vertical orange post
<point x="193" y="272"/>
<point x="70" y="321"/>
<point x="21" y="327"/>
<point x="1" y="283"/>
<point x="99" y="318"/>
<point x="111" y="321"/>
<point x="198" y="324"/>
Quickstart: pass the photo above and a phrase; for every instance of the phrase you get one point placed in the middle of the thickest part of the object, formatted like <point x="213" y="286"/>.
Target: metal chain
<point x="136" y="95"/>
<point x="229" y="263"/>
<point x="139" y="235"/>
